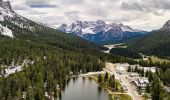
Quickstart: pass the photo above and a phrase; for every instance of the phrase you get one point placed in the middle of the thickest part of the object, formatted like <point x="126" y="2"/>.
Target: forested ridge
<point x="156" y="43"/>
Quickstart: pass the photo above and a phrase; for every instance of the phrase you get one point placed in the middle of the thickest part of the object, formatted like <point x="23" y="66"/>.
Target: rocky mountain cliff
<point x="166" y="26"/>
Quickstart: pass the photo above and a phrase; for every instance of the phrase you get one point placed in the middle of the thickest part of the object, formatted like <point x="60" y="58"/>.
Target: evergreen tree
<point x="106" y="77"/>
<point x="156" y="88"/>
<point x="167" y="77"/>
<point x="148" y="88"/>
<point x="100" y="78"/>
<point x="142" y="72"/>
<point x="19" y="94"/>
<point x="129" y="69"/>
<point x="30" y="94"/>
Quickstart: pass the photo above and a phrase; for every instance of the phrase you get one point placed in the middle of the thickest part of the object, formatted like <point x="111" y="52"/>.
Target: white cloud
<point x="143" y="14"/>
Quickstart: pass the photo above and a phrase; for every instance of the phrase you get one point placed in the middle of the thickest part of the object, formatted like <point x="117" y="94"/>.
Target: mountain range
<point x="100" y="31"/>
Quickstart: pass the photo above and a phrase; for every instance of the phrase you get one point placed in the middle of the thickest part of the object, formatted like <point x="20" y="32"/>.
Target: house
<point x="142" y="82"/>
<point x="152" y="69"/>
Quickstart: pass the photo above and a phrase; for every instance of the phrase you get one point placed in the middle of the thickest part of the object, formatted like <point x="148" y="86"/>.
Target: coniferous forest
<point x="56" y="57"/>
<point x="54" y="61"/>
<point x="37" y="61"/>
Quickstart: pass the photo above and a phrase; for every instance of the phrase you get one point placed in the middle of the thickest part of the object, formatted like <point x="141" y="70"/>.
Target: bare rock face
<point x="1" y="3"/>
<point x="166" y="26"/>
<point x="62" y="27"/>
<point x="7" y="5"/>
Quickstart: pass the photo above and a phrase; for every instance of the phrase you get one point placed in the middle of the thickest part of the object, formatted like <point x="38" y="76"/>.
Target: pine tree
<point x="100" y="79"/>
<point x="156" y="88"/>
<point x="148" y="89"/>
<point x="106" y="77"/>
<point x="30" y="94"/>
<point x="129" y="69"/>
<point x="19" y="94"/>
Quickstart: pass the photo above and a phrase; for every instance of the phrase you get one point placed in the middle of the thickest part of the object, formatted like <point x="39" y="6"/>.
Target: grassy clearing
<point x="120" y="97"/>
<point x="106" y="86"/>
<point x="156" y="59"/>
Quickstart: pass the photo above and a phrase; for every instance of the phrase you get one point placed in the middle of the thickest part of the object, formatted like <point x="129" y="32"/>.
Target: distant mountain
<point x="100" y="31"/>
<point x="156" y="43"/>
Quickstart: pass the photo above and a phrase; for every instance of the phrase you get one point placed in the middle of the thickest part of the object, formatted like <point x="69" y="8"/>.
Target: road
<point x="110" y="68"/>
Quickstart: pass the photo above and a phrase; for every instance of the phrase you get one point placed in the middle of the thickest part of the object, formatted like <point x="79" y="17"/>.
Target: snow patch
<point x="5" y="31"/>
<point x="88" y="30"/>
<point x="12" y="70"/>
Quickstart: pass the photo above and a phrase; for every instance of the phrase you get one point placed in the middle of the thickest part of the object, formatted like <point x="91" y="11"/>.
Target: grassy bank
<point x="114" y="95"/>
<point x="120" y="97"/>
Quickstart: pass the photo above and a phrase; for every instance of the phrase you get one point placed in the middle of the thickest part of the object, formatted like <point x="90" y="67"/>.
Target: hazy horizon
<point x="139" y="14"/>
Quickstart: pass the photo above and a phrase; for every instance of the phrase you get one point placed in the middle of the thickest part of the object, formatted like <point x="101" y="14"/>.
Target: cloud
<point x="143" y="14"/>
<point x="43" y="6"/>
<point x="31" y="2"/>
<point x="131" y="6"/>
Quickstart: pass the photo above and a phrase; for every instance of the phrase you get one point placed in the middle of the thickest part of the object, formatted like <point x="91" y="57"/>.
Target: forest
<point x="125" y="53"/>
<point x="155" y="43"/>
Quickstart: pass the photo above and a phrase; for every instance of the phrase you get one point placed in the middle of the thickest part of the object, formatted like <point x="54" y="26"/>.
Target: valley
<point x="84" y="60"/>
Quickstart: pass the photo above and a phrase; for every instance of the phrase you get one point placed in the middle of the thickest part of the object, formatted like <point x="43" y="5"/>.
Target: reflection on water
<point x="83" y="89"/>
<point x="99" y="90"/>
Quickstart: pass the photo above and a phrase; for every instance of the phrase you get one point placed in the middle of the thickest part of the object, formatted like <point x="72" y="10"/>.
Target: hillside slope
<point x="156" y="43"/>
<point x="36" y="59"/>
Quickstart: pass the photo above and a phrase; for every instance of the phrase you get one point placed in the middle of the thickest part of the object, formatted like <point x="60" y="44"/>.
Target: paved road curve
<point x="110" y="68"/>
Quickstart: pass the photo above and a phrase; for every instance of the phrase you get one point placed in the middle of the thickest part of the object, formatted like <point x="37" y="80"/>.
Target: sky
<point x="139" y="14"/>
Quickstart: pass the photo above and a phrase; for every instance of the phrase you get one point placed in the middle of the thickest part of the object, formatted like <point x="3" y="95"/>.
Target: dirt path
<point x="110" y="68"/>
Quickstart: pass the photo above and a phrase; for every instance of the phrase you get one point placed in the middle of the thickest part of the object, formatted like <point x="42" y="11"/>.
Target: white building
<point x="142" y="82"/>
<point x="152" y="69"/>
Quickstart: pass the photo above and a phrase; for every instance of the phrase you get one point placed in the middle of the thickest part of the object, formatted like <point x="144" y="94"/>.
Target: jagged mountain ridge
<point x="100" y="31"/>
<point x="81" y="28"/>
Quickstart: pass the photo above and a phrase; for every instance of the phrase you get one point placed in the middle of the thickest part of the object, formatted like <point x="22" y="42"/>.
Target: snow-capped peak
<point x="95" y="27"/>
<point x="100" y="31"/>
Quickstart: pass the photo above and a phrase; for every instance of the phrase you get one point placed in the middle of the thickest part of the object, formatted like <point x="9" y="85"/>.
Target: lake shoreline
<point x="112" y="95"/>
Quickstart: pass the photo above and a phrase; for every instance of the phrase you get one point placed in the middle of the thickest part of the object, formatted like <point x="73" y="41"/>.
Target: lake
<point x="83" y="89"/>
